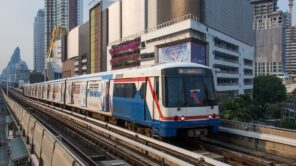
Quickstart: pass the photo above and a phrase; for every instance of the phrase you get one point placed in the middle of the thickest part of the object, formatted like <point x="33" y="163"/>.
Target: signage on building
<point x="125" y="55"/>
<point x="184" y="52"/>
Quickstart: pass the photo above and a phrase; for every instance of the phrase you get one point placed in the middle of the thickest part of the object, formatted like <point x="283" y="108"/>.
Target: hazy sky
<point x="16" y="27"/>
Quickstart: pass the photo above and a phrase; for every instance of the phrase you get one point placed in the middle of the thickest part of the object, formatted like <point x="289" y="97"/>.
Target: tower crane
<point x="57" y="32"/>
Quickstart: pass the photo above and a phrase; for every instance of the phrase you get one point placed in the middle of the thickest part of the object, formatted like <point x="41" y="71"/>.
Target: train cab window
<point x="143" y="91"/>
<point x="125" y="90"/>
<point x="189" y="88"/>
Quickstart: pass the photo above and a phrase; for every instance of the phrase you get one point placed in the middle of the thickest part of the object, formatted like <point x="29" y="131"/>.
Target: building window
<point x="226" y="45"/>
<point x="248" y="62"/>
<point x="147" y="57"/>
<point x="227" y="69"/>
<point x="248" y="81"/>
<point x="225" y="57"/>
<point x="248" y="72"/>
<point x="227" y="81"/>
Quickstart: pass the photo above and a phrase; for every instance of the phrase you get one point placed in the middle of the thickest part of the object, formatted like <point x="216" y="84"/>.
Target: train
<point x="164" y="100"/>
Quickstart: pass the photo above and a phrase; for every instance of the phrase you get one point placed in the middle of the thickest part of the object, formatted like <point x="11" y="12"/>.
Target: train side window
<point x="143" y="91"/>
<point x="125" y="90"/>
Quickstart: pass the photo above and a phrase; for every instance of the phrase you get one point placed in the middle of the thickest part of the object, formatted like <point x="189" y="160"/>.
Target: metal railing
<point x="160" y="26"/>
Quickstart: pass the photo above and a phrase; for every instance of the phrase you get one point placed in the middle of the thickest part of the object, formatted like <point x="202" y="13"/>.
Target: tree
<point x="293" y="93"/>
<point x="240" y="108"/>
<point x="288" y="123"/>
<point x="268" y="89"/>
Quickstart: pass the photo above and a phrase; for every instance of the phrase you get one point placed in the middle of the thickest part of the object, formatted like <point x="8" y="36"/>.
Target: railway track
<point x="124" y="143"/>
<point x="231" y="156"/>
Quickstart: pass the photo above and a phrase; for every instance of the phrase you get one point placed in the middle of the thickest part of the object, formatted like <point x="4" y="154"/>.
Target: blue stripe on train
<point x="132" y="109"/>
<point x="169" y="129"/>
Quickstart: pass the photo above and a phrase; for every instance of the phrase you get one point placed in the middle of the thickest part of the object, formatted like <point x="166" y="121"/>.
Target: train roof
<point x="108" y="75"/>
<point x="140" y="69"/>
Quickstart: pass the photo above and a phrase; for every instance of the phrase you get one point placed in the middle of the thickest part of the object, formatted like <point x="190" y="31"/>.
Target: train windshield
<point x="189" y="88"/>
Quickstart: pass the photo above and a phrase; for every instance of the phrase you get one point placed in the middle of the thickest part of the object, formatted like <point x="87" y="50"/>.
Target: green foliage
<point x="243" y="108"/>
<point x="273" y="111"/>
<point x="239" y="108"/>
<point x="267" y="103"/>
<point x="289" y="123"/>
<point x="269" y="89"/>
<point x="293" y="93"/>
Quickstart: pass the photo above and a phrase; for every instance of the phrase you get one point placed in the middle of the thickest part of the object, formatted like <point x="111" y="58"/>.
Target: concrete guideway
<point x="279" y="144"/>
<point x="261" y="136"/>
<point x="52" y="151"/>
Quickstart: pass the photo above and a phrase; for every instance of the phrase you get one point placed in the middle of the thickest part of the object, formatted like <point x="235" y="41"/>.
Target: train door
<point x="63" y="92"/>
<point x="68" y="93"/>
<point x="83" y="93"/>
<point x="123" y="96"/>
<point x="139" y="100"/>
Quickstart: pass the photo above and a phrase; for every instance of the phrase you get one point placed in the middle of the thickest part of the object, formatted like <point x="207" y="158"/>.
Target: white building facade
<point x="231" y="59"/>
<point x="139" y="41"/>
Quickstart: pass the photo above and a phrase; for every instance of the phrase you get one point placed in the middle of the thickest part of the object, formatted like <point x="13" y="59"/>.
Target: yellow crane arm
<point x="58" y="31"/>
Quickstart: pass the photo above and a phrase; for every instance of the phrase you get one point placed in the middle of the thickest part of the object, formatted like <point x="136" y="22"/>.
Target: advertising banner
<point x="175" y="53"/>
<point x="185" y="52"/>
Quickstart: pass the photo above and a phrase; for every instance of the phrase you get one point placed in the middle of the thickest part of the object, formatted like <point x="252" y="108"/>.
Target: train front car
<point x="188" y="102"/>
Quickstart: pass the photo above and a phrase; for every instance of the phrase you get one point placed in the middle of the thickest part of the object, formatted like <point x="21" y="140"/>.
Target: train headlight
<point x="182" y="118"/>
<point x="210" y="116"/>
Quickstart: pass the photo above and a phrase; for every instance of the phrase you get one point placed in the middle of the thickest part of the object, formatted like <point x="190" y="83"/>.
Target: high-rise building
<point x="269" y="25"/>
<point x="69" y="13"/>
<point x="291" y="51"/>
<point x="16" y="71"/>
<point x="64" y="13"/>
<point x="49" y="22"/>
<point x="291" y="45"/>
<point x="98" y="24"/>
<point x="39" y="50"/>
<point x="225" y="16"/>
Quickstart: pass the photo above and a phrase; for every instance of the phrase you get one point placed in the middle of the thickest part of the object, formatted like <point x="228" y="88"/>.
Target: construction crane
<point x="57" y="32"/>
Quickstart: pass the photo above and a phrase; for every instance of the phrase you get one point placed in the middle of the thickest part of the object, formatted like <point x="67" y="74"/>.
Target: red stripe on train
<point x="143" y="79"/>
<point x="126" y="80"/>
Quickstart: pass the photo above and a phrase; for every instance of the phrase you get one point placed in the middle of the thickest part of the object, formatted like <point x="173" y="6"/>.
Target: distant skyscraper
<point x="269" y="25"/>
<point x="291" y="45"/>
<point x="291" y="51"/>
<point x="49" y="22"/>
<point x="69" y="13"/>
<point x="66" y="13"/>
<point x="39" y="50"/>
<point x="16" y="69"/>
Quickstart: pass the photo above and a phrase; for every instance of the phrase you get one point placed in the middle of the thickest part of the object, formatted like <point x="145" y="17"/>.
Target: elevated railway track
<point x="139" y="149"/>
<point x="142" y="149"/>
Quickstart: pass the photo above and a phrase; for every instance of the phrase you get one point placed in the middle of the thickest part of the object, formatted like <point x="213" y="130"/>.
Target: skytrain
<point x="165" y="100"/>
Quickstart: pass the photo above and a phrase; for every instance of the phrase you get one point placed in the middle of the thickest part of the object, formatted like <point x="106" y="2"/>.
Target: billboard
<point x="184" y="52"/>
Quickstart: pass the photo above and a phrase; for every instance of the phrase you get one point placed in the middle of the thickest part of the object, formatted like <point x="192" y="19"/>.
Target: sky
<point x="16" y="26"/>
